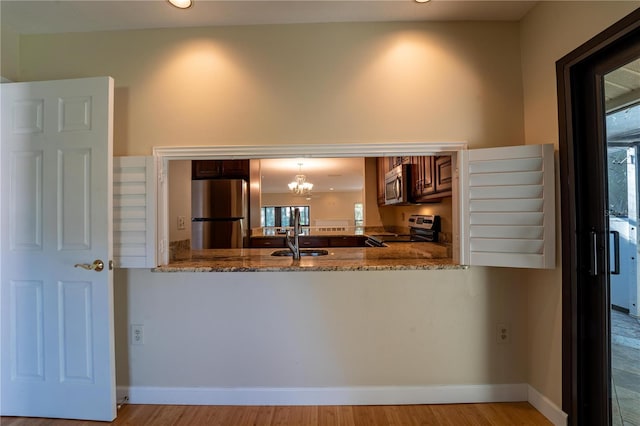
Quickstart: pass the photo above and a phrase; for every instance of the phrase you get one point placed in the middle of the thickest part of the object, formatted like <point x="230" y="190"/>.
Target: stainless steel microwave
<point x="397" y="185"/>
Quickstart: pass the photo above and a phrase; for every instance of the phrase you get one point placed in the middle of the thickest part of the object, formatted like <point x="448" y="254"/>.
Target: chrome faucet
<point x="294" y="245"/>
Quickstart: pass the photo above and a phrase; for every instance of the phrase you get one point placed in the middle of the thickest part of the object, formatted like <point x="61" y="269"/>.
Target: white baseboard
<point x="548" y="409"/>
<point x="366" y="395"/>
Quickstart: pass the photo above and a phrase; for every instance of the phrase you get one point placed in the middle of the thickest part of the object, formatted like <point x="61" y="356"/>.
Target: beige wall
<point x="325" y="329"/>
<point x="322" y="205"/>
<point x="332" y="83"/>
<point x="324" y="83"/>
<point x="9" y="62"/>
<point x="286" y="84"/>
<point x="550" y="31"/>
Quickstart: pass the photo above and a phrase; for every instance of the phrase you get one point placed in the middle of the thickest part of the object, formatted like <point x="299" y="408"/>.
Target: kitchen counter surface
<point x="397" y="256"/>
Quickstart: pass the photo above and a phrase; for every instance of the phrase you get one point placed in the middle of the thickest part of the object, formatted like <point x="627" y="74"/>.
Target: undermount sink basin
<point x="303" y="252"/>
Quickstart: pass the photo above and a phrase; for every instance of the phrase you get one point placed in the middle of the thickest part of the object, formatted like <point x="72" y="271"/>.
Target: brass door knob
<point x="97" y="265"/>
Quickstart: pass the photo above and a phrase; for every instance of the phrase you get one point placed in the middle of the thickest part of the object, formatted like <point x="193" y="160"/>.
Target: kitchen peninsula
<point x="396" y="256"/>
<point x="344" y="249"/>
<point x="347" y="248"/>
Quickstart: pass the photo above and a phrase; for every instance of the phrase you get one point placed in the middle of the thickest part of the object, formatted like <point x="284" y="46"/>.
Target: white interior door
<point x="56" y="211"/>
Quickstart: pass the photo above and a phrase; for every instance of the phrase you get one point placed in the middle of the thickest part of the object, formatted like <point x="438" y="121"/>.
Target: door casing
<point x="586" y="384"/>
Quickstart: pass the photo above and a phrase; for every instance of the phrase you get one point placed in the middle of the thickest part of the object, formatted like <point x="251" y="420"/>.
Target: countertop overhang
<point x="397" y="256"/>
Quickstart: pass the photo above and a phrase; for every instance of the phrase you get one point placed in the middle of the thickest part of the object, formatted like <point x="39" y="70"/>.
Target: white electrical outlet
<point x="181" y="223"/>
<point x="137" y="334"/>
<point x="503" y="333"/>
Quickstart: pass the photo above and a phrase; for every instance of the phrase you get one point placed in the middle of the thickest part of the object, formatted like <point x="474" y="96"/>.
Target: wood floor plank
<point x="420" y="415"/>
<point x="516" y="413"/>
<point x="265" y="415"/>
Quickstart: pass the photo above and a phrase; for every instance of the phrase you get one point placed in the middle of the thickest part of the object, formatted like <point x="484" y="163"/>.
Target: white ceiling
<point x="345" y="174"/>
<point x="341" y="174"/>
<point x="39" y="17"/>
<point x="622" y="86"/>
<point x="56" y="16"/>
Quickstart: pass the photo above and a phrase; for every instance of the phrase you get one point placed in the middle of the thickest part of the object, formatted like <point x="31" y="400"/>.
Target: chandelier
<point x="300" y="186"/>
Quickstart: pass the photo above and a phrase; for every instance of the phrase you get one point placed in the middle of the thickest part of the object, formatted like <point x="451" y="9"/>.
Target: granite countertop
<point x="397" y="256"/>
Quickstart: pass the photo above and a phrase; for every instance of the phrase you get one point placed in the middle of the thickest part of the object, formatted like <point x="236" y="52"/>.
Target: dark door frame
<point x="586" y="385"/>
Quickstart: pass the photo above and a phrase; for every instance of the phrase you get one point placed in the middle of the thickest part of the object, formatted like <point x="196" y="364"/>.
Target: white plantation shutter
<point x="134" y="217"/>
<point x="508" y="206"/>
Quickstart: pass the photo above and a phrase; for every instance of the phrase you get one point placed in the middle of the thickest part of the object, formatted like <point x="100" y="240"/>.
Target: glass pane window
<point x="282" y="216"/>
<point x="358" y="214"/>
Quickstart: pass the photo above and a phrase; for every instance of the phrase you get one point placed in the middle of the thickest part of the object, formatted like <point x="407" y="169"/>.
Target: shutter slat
<point x="508" y="191"/>
<point x="499" y="231"/>
<point x="502" y="166"/>
<point x="504" y="179"/>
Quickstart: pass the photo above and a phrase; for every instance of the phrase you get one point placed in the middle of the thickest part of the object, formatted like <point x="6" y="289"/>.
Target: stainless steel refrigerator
<point x="218" y="213"/>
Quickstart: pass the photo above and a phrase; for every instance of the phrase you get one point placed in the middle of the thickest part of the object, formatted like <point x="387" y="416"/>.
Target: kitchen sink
<point x="303" y="252"/>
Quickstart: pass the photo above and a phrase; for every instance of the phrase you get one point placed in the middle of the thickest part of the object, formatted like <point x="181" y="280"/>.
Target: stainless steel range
<point x="422" y="228"/>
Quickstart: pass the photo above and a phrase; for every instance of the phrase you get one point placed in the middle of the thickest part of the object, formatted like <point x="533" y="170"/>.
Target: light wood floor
<point x="508" y="413"/>
<point x="625" y="369"/>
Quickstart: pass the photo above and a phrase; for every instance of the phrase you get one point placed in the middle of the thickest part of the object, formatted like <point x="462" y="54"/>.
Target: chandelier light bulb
<point x="300" y="186"/>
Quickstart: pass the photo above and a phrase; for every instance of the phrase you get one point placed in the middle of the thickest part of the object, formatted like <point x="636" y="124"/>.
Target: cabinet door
<point x="416" y="177"/>
<point x="312" y="242"/>
<point x="206" y="169"/>
<point x="220" y="169"/>
<point x="134" y="218"/>
<point x="267" y="242"/>
<point x="443" y="173"/>
<point x="423" y="179"/>
<point x="381" y="170"/>
<point x="507" y="206"/>
<point x="238" y="169"/>
<point x="347" y="241"/>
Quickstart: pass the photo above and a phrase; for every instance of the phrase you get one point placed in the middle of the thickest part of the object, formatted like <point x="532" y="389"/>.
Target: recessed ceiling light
<point x="422" y="1"/>
<point x="181" y="4"/>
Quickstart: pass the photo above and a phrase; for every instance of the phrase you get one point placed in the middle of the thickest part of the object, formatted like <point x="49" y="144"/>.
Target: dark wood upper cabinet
<point x="430" y="180"/>
<point x="422" y="179"/>
<point x="220" y="169"/>
<point x="382" y="167"/>
<point x="443" y="174"/>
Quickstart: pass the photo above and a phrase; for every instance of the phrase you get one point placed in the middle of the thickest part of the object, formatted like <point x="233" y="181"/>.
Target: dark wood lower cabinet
<point x="347" y="241"/>
<point x="267" y="242"/>
<point x="311" y="241"/>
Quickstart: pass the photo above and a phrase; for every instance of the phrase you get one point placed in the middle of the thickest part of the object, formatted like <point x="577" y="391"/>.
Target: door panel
<point x="27" y="331"/>
<point x="25" y="216"/>
<point x="74" y="199"/>
<point x="57" y="319"/>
